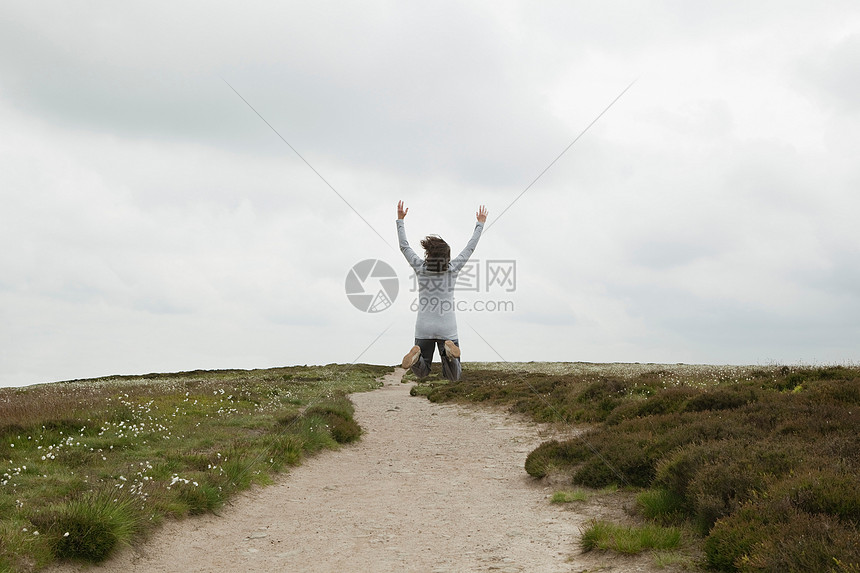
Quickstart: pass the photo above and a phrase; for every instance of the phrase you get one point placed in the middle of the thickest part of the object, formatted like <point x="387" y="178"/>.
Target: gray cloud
<point x="422" y="92"/>
<point x="831" y="74"/>
<point x="158" y="224"/>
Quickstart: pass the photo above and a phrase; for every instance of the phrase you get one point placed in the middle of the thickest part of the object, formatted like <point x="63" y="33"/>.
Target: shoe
<point x="451" y="350"/>
<point x="411" y="357"/>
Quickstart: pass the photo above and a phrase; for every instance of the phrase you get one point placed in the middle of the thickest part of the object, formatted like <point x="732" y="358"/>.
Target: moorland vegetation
<point x="761" y="464"/>
<point x="89" y="465"/>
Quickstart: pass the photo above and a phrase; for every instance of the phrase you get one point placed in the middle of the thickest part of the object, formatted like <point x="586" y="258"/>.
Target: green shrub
<point x="90" y="527"/>
<point x="200" y="496"/>
<point x="422" y="390"/>
<point x="342" y="430"/>
<point x="595" y="535"/>
<point x="314" y="433"/>
<point x="338" y="415"/>
<point x="287" y="449"/>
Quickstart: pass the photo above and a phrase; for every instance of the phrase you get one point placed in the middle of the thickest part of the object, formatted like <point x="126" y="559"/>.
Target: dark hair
<point x="437" y="253"/>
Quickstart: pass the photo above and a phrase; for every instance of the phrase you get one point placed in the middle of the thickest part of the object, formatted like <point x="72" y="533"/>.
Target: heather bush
<point x="763" y="460"/>
<point x="666" y="401"/>
<point x="841" y="391"/>
<point x="628" y="460"/>
<point x="627" y="410"/>
<point x="339" y="419"/>
<point x="719" y="489"/>
<point x="553" y="456"/>
<point x="715" y="478"/>
<point x="719" y="399"/>
<point x="544" y="397"/>
<point x="676" y="471"/>
<point x="732" y="539"/>
<point x="603" y="388"/>
<point x="775" y="537"/>
<point x="824" y="492"/>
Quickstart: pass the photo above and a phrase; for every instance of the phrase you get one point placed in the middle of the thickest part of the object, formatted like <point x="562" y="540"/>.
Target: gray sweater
<point x="436" y="318"/>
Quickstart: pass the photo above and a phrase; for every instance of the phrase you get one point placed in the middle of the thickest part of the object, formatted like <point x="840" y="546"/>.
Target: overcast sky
<point x="152" y="222"/>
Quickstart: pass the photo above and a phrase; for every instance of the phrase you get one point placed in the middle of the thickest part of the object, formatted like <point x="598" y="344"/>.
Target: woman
<point x="436" y="324"/>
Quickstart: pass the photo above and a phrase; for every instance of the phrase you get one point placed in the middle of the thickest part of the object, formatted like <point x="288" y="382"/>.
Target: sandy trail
<point x="429" y="487"/>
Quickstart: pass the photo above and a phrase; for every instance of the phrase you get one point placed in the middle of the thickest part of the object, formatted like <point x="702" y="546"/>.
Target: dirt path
<point x="430" y="488"/>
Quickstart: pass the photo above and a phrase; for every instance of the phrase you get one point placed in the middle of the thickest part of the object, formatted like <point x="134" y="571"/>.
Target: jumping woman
<point x="436" y="325"/>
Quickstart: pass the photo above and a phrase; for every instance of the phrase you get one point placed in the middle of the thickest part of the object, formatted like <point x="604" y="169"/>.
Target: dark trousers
<point x="450" y="365"/>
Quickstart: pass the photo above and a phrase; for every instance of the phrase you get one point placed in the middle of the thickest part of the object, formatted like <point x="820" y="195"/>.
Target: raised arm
<point x="411" y="256"/>
<point x="463" y="257"/>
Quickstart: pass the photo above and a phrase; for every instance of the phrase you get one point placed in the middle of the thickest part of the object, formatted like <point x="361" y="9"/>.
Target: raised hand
<point x="482" y="214"/>
<point x="401" y="212"/>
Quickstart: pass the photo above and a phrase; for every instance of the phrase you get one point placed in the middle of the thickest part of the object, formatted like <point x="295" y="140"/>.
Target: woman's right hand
<point x="401" y="212"/>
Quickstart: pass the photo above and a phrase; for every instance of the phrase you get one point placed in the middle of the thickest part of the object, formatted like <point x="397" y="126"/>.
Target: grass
<point x="569" y="496"/>
<point x="761" y="462"/>
<point x="671" y="558"/>
<point x="660" y="505"/>
<point x="90" y="526"/>
<point x="90" y="465"/>
<point x="628" y="539"/>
